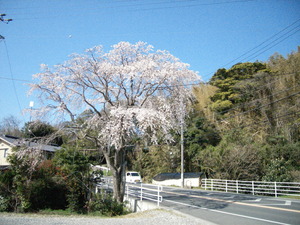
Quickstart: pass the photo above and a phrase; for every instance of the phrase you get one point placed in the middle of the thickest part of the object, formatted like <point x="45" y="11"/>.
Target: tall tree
<point x="10" y="125"/>
<point x="132" y="90"/>
<point x="226" y="96"/>
<point x="37" y="130"/>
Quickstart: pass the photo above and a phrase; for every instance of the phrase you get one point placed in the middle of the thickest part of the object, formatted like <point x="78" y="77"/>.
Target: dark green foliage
<point x="107" y="205"/>
<point x="277" y="170"/>
<point x="156" y="159"/>
<point x="36" y="130"/>
<point x="261" y="102"/>
<point x="225" y="80"/>
<point x="236" y="157"/>
<point x="7" y="191"/>
<point x="75" y="168"/>
<point x="27" y="192"/>
<point x="199" y="134"/>
<point x="71" y="160"/>
<point x="48" y="188"/>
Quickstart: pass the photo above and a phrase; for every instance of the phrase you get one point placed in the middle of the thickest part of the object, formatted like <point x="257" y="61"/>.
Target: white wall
<point x="3" y="160"/>
<point x="188" y="182"/>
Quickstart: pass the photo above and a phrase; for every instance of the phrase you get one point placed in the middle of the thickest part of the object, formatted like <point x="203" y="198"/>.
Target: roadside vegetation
<point x="244" y="125"/>
<point x="63" y="185"/>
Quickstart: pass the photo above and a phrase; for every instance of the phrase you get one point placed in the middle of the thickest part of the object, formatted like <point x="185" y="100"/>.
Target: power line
<point x="285" y="115"/>
<point x="12" y="79"/>
<point x="173" y="4"/>
<point x="276" y="43"/>
<point x="259" y="88"/>
<point x="194" y="5"/>
<point x="265" y="41"/>
<point x="263" y="49"/>
<point x="294" y="94"/>
<point x="248" y="103"/>
<point x="267" y="84"/>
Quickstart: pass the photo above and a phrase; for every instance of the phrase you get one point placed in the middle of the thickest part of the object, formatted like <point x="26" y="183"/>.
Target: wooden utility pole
<point x="181" y="143"/>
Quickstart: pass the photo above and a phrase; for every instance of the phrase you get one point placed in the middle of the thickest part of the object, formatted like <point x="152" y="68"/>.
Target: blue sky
<point x="207" y="34"/>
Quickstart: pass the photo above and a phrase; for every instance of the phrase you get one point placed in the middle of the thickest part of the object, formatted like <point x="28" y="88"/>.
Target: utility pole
<point x="181" y="142"/>
<point x="2" y="19"/>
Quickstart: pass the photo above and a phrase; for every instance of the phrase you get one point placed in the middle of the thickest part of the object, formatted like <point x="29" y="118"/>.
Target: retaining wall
<point x="136" y="205"/>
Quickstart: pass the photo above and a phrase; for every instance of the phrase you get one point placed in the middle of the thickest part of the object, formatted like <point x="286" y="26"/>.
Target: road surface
<point x="229" y="208"/>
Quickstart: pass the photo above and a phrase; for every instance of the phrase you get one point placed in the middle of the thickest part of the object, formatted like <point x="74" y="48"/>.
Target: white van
<point x="133" y="177"/>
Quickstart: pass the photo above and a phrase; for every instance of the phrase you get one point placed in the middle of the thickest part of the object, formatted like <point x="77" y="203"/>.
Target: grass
<point x="288" y="196"/>
<point x="67" y="212"/>
<point x="60" y="212"/>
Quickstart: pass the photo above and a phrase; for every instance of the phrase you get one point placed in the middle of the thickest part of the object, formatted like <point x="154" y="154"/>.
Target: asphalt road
<point x="229" y="208"/>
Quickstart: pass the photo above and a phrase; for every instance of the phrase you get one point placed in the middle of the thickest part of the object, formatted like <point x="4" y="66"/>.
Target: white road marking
<point x="237" y="202"/>
<point x="228" y="213"/>
<point x="286" y="203"/>
<point x="231" y="196"/>
<point x="254" y="200"/>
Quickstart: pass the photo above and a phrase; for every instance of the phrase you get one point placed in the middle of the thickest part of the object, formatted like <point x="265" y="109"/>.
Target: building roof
<point x="18" y="142"/>
<point x="176" y="176"/>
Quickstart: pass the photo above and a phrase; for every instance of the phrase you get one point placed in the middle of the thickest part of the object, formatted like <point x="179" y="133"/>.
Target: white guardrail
<point x="253" y="187"/>
<point x="149" y="192"/>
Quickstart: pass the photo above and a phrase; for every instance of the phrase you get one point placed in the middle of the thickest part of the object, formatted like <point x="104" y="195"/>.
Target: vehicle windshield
<point x="135" y="174"/>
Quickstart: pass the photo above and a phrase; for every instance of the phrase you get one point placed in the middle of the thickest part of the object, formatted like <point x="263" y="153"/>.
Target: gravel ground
<point x="150" y="217"/>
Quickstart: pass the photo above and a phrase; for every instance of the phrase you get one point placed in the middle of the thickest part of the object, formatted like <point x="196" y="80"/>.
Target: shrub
<point x="4" y="204"/>
<point x="107" y="205"/>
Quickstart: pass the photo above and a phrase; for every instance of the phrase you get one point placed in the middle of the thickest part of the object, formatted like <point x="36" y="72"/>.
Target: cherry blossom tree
<point x="131" y="89"/>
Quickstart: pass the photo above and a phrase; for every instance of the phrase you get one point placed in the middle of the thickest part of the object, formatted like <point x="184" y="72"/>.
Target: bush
<point x="45" y="193"/>
<point x="4" y="204"/>
<point x="278" y="171"/>
<point x="107" y="205"/>
<point x="7" y="191"/>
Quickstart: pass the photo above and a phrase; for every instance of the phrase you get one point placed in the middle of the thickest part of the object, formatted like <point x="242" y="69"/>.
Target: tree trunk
<point x="117" y="164"/>
<point x="119" y="187"/>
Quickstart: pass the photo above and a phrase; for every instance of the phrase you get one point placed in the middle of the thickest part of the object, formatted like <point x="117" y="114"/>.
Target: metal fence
<point x="253" y="187"/>
<point x="149" y="192"/>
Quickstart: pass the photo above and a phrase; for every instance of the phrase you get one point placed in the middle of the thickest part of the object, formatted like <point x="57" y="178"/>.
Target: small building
<point x="7" y="142"/>
<point x="169" y="179"/>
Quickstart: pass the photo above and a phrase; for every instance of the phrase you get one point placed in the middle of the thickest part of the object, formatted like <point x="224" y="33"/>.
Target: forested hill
<point x="255" y="107"/>
<point x="245" y="125"/>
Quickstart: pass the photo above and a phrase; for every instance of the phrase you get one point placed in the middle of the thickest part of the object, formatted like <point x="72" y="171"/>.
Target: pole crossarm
<point x="2" y="19"/>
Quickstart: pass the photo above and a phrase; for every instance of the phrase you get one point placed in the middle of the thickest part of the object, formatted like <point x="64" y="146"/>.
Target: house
<point x="169" y="179"/>
<point x="7" y="142"/>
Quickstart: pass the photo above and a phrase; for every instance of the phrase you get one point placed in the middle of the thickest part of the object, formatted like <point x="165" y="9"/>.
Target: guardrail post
<point x="212" y="184"/>
<point x="205" y="180"/>
<point x="226" y="185"/>
<point x="237" y="186"/>
<point x="158" y="195"/>
<point x="141" y="198"/>
<point x="275" y="188"/>
<point x="253" y="190"/>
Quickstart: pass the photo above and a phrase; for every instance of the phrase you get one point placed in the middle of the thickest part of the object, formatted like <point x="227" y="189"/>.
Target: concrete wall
<point x="137" y="205"/>
<point x="188" y="182"/>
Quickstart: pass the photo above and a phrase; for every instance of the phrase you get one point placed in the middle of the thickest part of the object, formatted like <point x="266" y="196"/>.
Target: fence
<point x="253" y="187"/>
<point x="144" y="192"/>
